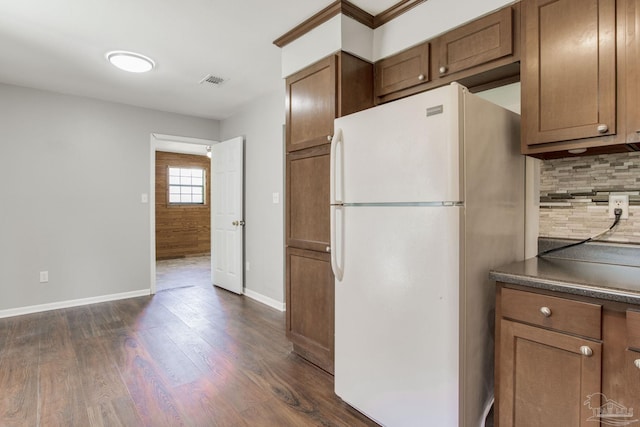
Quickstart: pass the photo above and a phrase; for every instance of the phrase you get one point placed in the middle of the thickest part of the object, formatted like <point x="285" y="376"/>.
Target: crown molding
<point x="395" y="11"/>
<point x="350" y="10"/>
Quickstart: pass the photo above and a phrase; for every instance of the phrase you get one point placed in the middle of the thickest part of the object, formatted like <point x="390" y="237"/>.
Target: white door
<point x="227" y="214"/>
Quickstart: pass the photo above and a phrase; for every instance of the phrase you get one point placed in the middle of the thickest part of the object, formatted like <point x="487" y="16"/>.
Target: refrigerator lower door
<point x="397" y="313"/>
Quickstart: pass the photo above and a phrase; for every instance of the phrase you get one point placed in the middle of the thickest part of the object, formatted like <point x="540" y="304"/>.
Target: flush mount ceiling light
<point x="130" y="61"/>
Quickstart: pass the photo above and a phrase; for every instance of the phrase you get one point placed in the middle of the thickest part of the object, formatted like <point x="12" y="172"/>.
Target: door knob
<point x="421" y="77"/>
<point x="442" y="69"/>
<point x="237" y="223"/>
<point x="603" y="128"/>
<point x="327" y="249"/>
<point x="329" y="137"/>
<point x="637" y="363"/>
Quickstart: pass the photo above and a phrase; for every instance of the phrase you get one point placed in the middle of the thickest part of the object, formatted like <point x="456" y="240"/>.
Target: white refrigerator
<point x="427" y="194"/>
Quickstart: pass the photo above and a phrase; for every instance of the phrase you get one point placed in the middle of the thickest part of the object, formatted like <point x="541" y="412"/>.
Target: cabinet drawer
<point x="565" y="315"/>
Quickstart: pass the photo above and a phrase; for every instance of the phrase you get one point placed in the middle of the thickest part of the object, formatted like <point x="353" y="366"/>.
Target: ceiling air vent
<point x="212" y="80"/>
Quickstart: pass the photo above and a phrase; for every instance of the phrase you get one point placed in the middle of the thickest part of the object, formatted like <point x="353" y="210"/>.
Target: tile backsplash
<point x="574" y="196"/>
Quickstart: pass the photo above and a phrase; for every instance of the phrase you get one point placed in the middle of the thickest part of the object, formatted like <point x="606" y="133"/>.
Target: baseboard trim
<point x="280" y="306"/>
<point x="72" y="303"/>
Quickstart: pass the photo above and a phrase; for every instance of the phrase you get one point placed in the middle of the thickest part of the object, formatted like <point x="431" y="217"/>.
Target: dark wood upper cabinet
<point x="631" y="79"/>
<point x="404" y="70"/>
<point x="311" y="105"/>
<point x="332" y="87"/>
<point x="479" y="42"/>
<point x="481" y="54"/>
<point x="579" y="77"/>
<point x="569" y="81"/>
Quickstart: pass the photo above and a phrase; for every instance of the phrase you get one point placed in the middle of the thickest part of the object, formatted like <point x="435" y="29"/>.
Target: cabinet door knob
<point x="329" y="137"/>
<point x="586" y="351"/>
<point x="637" y="363"/>
<point x="603" y="128"/>
<point x="546" y="311"/>
<point x="327" y="249"/>
<point x="442" y="69"/>
<point x="421" y="77"/>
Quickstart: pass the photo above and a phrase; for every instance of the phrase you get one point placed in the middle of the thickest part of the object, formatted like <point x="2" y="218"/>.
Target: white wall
<point x="261" y="124"/>
<point x="72" y="171"/>
<point x="339" y="33"/>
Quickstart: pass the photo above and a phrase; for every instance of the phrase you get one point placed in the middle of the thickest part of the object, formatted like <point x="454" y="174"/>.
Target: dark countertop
<point x="592" y="279"/>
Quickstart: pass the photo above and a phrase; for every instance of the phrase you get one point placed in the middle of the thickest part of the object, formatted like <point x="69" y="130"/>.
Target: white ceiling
<point x="61" y="45"/>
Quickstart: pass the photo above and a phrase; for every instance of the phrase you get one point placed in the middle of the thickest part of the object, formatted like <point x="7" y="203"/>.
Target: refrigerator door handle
<point x="335" y="169"/>
<point x="337" y="240"/>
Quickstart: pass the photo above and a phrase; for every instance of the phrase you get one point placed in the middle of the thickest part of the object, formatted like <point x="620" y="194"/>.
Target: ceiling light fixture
<point x="130" y="61"/>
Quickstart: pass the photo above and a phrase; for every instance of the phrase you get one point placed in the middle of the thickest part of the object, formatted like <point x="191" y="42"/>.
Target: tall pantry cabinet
<point x="332" y="87"/>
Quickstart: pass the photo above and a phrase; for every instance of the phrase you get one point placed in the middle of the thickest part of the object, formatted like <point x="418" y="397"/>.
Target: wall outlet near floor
<point x="619" y="201"/>
<point x="44" y="276"/>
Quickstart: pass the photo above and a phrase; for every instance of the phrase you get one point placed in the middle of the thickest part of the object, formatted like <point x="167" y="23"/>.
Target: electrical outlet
<point x="619" y="201"/>
<point x="44" y="276"/>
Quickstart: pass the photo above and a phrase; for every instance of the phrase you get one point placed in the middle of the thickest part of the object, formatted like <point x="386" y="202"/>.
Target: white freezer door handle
<point x="336" y="168"/>
<point x="337" y="241"/>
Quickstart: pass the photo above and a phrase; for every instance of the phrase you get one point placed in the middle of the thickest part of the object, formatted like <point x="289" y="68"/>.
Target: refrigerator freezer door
<point x="404" y="151"/>
<point x="397" y="314"/>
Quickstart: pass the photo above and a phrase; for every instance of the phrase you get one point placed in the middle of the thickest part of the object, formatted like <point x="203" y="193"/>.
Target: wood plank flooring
<point x="192" y="356"/>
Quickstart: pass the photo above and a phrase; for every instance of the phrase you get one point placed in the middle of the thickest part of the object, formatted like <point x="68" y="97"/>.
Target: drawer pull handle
<point x="421" y="77"/>
<point x="603" y="128"/>
<point x="327" y="249"/>
<point x="586" y="351"/>
<point x="546" y="311"/>
<point x="637" y="363"/>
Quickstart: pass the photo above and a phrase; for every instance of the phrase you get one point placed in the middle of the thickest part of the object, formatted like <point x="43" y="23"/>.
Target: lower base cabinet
<point x="564" y="360"/>
<point x="545" y="377"/>
<point x="310" y="306"/>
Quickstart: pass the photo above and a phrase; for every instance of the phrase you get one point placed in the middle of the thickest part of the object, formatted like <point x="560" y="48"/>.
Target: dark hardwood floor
<point x="193" y="356"/>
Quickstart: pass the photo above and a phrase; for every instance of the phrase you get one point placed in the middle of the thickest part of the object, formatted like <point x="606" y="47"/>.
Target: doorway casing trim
<point x="161" y="142"/>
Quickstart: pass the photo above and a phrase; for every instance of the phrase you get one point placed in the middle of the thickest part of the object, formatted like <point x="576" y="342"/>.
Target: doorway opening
<point x="226" y="196"/>
<point x="180" y="212"/>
